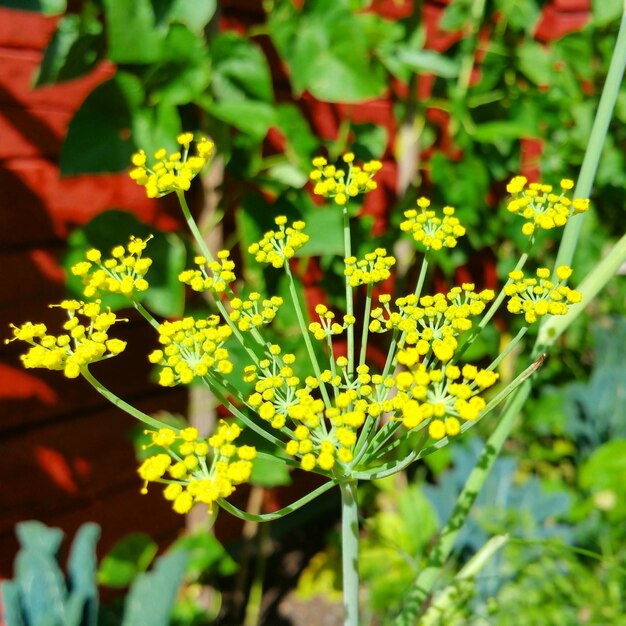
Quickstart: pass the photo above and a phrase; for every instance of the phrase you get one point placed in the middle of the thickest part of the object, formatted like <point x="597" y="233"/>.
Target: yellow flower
<point x="279" y="246"/>
<point x="173" y="172"/>
<point x="431" y="231"/>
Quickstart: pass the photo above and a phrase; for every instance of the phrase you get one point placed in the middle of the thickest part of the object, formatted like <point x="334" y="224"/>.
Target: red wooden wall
<point x="65" y="455"/>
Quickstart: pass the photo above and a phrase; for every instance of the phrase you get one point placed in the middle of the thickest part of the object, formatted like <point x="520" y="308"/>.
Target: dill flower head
<point x="191" y="348"/>
<point x="540" y="206"/>
<point x="431" y="230"/>
<point x="194" y="469"/>
<point x="536" y="297"/>
<point x="210" y="275"/>
<point x="278" y="246"/>
<point x="174" y="171"/>
<point x="254" y="311"/>
<point x="123" y="272"/>
<point x="374" y="268"/>
<point x="85" y="341"/>
<point x="334" y="182"/>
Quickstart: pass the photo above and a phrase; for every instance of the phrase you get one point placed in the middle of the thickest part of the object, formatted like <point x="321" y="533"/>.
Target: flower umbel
<point x="123" y="272"/>
<point x="333" y="182"/>
<point x="429" y="229"/>
<point x="174" y="171"/>
<point x="536" y="297"/>
<point x="278" y="246"/>
<point x="191" y="348"/>
<point x="195" y="469"/>
<point x="540" y="206"/>
<point x="85" y="341"/>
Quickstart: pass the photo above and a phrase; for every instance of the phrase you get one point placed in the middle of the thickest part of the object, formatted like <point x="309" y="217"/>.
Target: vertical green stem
<point x="366" y="325"/>
<point x="350" y="552"/>
<point x="305" y="333"/>
<point x="347" y="247"/>
<point x="193" y="227"/>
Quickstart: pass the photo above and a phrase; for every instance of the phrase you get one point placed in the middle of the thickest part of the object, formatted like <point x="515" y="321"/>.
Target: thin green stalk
<point x="193" y="227"/>
<point x="347" y="248"/>
<point x="366" y="326"/>
<point x="305" y="333"/>
<point x="146" y="314"/>
<point x="350" y="552"/>
<point x="268" y="517"/>
<point x="425" y="581"/>
<point x="120" y="404"/>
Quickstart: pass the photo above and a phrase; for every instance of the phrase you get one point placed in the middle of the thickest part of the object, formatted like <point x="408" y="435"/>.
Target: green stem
<point x="366" y="315"/>
<point x="347" y="248"/>
<point x="268" y="517"/>
<point x="350" y="552"/>
<point x="305" y="333"/>
<point x="120" y="404"/>
<point x="146" y="314"/>
<point x="193" y="227"/>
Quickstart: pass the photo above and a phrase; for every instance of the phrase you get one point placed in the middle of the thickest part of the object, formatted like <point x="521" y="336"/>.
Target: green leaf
<point x="156" y="127"/>
<point x="129" y="557"/>
<point x="297" y="132"/>
<point x="11" y="605"/>
<point x="288" y="174"/>
<point x="520" y="14"/>
<point x="182" y="71"/>
<point x="456" y="15"/>
<point x="325" y="229"/>
<point x="606" y="11"/>
<point x="428" y="62"/>
<point x="490" y="132"/>
<point x="195" y="15"/>
<point x="98" y="137"/>
<point x="132" y="32"/>
<point x="72" y="51"/>
<point x="268" y="473"/>
<point x="206" y="555"/>
<point x="82" y="565"/>
<point x="240" y="70"/>
<point x="47" y="7"/>
<point x="370" y="141"/>
<point x="152" y="595"/>
<point x="326" y="49"/>
<point x="535" y="61"/>
<point x="252" y="118"/>
<point x="603" y="474"/>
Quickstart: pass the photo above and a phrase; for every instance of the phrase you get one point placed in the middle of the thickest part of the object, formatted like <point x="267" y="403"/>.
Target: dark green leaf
<point x="156" y="127"/>
<point x="195" y="15"/>
<point x="297" y="132"/>
<point x="251" y="118"/>
<point x="129" y="557"/>
<point x="72" y="51"/>
<point x="240" y="70"/>
<point x="133" y="35"/>
<point x="98" y="138"/>
<point x="268" y="473"/>
<point x="370" y="141"/>
<point x="182" y="71"/>
<point x="325" y="229"/>
<point x="206" y="555"/>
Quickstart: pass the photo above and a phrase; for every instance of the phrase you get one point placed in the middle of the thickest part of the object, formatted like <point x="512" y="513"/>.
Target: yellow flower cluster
<point x="197" y="470"/>
<point x="374" y="268"/>
<point x="191" y="348"/>
<point x="432" y="322"/>
<point x="432" y="231"/>
<point x="85" y="341"/>
<point x="123" y="272"/>
<point x="174" y="171"/>
<point x="276" y="247"/>
<point x="332" y="182"/>
<point x="221" y="270"/>
<point x="327" y="327"/>
<point x="254" y="312"/>
<point x="441" y="397"/>
<point x="540" y="207"/>
<point x="536" y="297"/>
